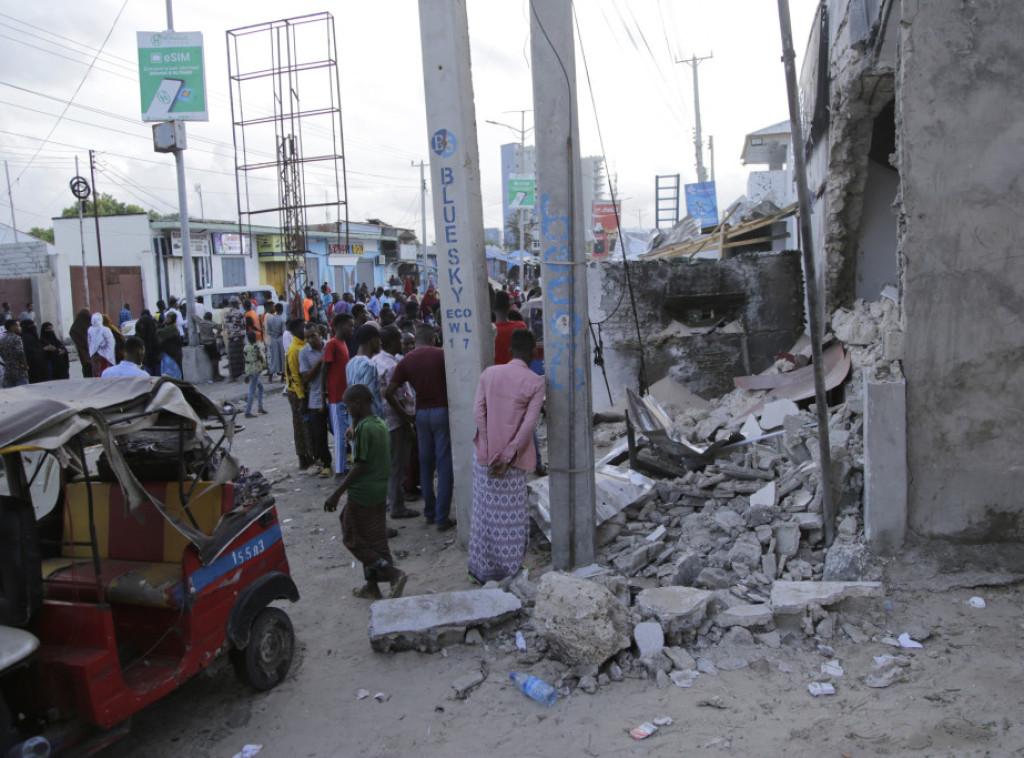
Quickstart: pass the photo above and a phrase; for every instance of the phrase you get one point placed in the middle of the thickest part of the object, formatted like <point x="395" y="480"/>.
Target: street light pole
<point x="520" y="165"/>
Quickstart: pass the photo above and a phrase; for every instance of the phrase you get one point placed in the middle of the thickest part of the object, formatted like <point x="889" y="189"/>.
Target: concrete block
<point x="681" y="659"/>
<point x="728" y="519"/>
<point x="744" y="615"/>
<point x="677" y="608"/>
<point x="582" y="621"/>
<point x="885" y="465"/>
<point x="787" y="539"/>
<point x="764" y="497"/>
<point x="649" y="638"/>
<point x="687" y="569"/>
<point x="414" y="623"/>
<point x="746" y="550"/>
<point x="794" y="597"/>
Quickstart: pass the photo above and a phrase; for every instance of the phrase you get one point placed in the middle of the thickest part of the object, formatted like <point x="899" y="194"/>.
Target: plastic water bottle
<point x="33" y="747"/>
<point x="534" y="688"/>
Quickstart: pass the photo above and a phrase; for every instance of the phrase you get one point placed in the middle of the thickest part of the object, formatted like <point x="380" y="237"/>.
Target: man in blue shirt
<point x="124" y="315"/>
<point x="134" y="355"/>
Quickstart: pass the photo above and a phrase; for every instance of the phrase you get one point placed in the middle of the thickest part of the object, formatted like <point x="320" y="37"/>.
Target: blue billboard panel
<point x="702" y="203"/>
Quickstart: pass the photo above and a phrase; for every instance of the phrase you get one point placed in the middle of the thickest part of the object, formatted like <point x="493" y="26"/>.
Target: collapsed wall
<point x="703" y="322"/>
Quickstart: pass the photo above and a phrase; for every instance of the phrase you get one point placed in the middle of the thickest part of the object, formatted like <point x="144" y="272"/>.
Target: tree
<point x="512" y="226"/>
<point x="42" y="234"/>
<point x="108" y="206"/>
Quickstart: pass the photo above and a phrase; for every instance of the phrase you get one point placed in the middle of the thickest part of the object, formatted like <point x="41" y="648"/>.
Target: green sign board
<point x="520" y="191"/>
<point x="172" y="80"/>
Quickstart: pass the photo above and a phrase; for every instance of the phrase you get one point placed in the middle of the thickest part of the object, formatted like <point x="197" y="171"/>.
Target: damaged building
<point x="913" y="153"/>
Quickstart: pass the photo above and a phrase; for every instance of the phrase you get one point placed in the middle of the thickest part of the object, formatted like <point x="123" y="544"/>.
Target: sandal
<point x="367" y="594"/>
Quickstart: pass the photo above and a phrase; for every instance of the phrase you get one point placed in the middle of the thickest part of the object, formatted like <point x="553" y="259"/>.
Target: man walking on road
<point x="423" y="369"/>
<point x="508" y="401"/>
<point x="311" y="362"/>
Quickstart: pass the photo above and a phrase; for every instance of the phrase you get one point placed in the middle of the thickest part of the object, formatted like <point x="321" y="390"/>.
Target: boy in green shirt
<point x="364" y="517"/>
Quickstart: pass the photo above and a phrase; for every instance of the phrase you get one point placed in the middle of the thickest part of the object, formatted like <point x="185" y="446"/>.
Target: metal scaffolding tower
<point x="287" y="128"/>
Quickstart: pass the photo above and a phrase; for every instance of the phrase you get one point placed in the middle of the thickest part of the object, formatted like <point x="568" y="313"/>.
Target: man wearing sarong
<point x="364" y="517"/>
<point x="508" y="402"/>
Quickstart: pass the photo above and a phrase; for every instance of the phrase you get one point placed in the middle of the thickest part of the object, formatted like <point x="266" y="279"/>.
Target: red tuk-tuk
<point x="134" y="552"/>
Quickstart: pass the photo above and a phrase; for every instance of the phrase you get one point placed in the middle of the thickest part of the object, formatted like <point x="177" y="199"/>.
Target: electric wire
<point x="642" y="375"/>
<point x="78" y="88"/>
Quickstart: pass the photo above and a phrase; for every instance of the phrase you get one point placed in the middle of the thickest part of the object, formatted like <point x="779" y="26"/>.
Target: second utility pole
<point x="698" y="144"/>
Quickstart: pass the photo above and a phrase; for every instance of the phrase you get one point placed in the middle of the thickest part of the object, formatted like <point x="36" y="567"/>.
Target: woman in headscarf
<point x="38" y="369"/>
<point x="56" y="353"/>
<point x="427" y="304"/>
<point x="145" y="330"/>
<point x="118" y="338"/>
<point x="79" y="334"/>
<point x="170" y="343"/>
<point x="101" y="346"/>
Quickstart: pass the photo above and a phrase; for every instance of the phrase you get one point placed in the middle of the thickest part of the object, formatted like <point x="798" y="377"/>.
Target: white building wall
<point x="125" y="241"/>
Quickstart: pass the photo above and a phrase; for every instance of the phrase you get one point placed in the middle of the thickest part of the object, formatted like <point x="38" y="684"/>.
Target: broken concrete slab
<point x="687" y="569"/>
<point x="415" y="622"/>
<point x="582" y="621"/>
<point x="677" y="608"/>
<point x="794" y="597"/>
<point x="775" y="413"/>
<point x="846" y="562"/>
<point x="744" y="615"/>
<point x="764" y="497"/>
<point x="787" y="539"/>
<point x="615" y="488"/>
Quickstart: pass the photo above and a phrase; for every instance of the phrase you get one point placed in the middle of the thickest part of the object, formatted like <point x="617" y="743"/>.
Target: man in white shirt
<point x="400" y="432"/>
<point x="134" y="354"/>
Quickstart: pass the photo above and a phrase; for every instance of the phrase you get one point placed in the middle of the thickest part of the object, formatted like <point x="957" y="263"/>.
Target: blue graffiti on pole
<point x="457" y="320"/>
<point x="443" y="143"/>
<point x="562" y="322"/>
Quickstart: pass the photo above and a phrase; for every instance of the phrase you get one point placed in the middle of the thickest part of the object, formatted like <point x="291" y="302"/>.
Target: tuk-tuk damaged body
<point x="130" y="588"/>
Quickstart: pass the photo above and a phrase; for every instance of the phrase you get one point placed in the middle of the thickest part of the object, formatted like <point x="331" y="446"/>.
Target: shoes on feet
<point x="405" y="513"/>
<point x="250" y="415"/>
<point x="444" y="526"/>
<point x="263" y="410"/>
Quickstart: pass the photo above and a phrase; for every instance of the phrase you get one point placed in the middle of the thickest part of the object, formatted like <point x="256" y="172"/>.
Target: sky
<point x="69" y="83"/>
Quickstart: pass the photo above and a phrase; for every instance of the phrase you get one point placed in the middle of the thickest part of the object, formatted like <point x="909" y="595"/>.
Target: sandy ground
<point x="961" y="695"/>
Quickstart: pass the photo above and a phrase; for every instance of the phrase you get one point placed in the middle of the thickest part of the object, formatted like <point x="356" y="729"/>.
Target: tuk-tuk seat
<point x="140" y="558"/>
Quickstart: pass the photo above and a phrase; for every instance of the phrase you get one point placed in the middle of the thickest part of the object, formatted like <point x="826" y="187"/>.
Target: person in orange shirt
<point x="504" y="328"/>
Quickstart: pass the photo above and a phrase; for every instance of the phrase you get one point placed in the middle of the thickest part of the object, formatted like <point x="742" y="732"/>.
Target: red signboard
<point x="606" y="216"/>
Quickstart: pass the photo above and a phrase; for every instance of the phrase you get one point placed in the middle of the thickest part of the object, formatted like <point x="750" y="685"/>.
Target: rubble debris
<point x="466" y="684"/>
<point x="649" y="638"/>
<point x="795" y="597"/>
<point x="582" y="621"/>
<point x="677" y="608"/>
<point x="414" y="623"/>
<point x="615" y="489"/>
<point x="818" y="689"/>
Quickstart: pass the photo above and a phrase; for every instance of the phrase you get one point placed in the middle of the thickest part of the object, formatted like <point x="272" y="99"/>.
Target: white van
<point x="215" y="299"/>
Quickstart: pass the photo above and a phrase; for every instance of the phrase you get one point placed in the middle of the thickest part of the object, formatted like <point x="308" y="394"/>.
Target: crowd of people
<point x="364" y="375"/>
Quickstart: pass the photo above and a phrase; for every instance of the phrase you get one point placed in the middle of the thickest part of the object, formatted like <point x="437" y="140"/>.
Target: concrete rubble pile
<point x="713" y="570"/>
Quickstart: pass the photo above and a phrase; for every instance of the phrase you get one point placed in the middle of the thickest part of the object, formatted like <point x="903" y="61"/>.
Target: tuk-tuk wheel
<point x="265" y="661"/>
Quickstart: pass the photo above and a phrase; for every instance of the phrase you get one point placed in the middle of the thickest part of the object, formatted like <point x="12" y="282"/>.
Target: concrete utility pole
<point x="810" y="275"/>
<point x="81" y="239"/>
<point x="10" y="199"/>
<point x="563" y="266"/>
<point x="96" y="218"/>
<point x="458" y="229"/>
<point x="423" y="222"/>
<point x="698" y="143"/>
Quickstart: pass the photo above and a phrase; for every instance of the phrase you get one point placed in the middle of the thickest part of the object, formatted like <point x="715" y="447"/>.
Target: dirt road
<point x="960" y="695"/>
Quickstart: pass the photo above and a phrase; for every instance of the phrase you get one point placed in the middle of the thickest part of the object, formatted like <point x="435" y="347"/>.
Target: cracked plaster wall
<point x="960" y="126"/>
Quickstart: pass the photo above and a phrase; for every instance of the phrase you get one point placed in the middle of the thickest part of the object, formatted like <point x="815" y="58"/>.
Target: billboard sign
<point x="230" y="244"/>
<point x="702" y="204"/>
<point x="520" y="191"/>
<point x="606" y="215"/>
<point x="172" y="79"/>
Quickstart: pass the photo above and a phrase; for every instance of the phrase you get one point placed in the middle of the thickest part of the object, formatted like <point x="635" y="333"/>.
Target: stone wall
<point x="758" y="296"/>
<point x="960" y="126"/>
<point x="20" y="260"/>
